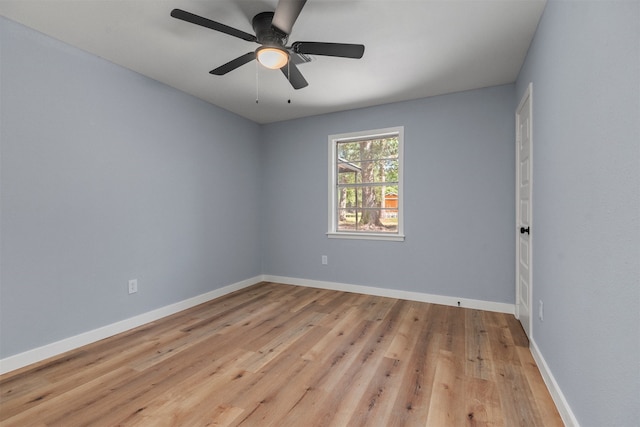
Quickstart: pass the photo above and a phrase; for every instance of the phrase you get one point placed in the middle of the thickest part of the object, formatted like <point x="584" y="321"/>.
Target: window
<point x="365" y="185"/>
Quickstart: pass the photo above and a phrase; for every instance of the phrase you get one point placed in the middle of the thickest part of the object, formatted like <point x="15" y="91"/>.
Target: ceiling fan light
<point x="272" y="57"/>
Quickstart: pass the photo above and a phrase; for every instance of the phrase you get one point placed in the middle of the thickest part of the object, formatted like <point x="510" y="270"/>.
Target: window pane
<point x="368" y="208"/>
<point x="366" y="183"/>
<point x="349" y="172"/>
<point x="347" y="197"/>
<point x="346" y="220"/>
<point x="349" y="151"/>
<point x="369" y="161"/>
<point x="360" y="219"/>
<point x="378" y="170"/>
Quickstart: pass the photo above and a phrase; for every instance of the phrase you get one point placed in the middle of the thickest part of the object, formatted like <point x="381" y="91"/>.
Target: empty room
<point x="320" y="213"/>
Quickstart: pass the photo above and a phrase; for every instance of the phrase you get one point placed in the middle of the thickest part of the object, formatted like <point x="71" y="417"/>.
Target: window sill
<point x="366" y="236"/>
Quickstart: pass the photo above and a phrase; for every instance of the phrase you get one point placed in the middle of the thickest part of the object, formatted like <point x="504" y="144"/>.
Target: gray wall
<point x="585" y="67"/>
<point x="458" y="198"/>
<point x="108" y="175"/>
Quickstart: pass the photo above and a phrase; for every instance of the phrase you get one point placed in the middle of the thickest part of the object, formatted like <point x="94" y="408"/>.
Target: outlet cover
<point x="133" y="286"/>
<point x="541" y="310"/>
<point x="324" y="260"/>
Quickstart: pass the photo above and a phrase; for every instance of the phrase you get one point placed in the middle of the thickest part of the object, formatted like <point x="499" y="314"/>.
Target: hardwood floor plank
<point x="479" y="362"/>
<point x="331" y="357"/>
<point x="264" y="401"/>
<point x="446" y="406"/>
<point x="405" y="337"/>
<point x="362" y="370"/>
<point x="503" y="348"/>
<point x="312" y="299"/>
<point x="59" y="407"/>
<point x="335" y="332"/>
<point x="517" y="332"/>
<point x="483" y="403"/>
<point x="190" y="400"/>
<point x="377" y="400"/>
<point x="517" y="402"/>
<point x="545" y="405"/>
<point x="343" y="303"/>
<point x="281" y="343"/>
<point x="412" y="404"/>
<point x="284" y="355"/>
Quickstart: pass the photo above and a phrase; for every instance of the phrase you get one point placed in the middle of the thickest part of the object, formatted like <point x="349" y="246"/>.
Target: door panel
<point x="524" y="289"/>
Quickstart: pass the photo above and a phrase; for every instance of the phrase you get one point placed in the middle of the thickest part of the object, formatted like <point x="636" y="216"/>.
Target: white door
<point x="523" y="212"/>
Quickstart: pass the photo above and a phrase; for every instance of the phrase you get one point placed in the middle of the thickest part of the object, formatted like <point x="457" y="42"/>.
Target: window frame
<point x="333" y="141"/>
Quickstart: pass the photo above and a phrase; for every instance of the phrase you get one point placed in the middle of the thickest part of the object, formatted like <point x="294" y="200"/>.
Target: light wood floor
<point x="280" y="355"/>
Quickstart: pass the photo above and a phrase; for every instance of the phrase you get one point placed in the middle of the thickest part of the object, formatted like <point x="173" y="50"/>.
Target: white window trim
<point x="356" y="136"/>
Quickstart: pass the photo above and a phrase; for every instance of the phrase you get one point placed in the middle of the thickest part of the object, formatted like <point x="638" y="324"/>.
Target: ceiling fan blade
<point x="208" y="23"/>
<point x="286" y="14"/>
<point x="343" y="50"/>
<point x="298" y="58"/>
<point x="233" y="64"/>
<point x="295" y="77"/>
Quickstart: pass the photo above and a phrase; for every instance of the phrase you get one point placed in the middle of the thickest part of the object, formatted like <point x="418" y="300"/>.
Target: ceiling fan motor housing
<point x="267" y="34"/>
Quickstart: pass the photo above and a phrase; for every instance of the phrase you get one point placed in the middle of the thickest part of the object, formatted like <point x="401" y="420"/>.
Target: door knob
<point x="524" y="230"/>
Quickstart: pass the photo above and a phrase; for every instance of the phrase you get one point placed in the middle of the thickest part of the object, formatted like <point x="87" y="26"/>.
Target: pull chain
<point x="257" y="82"/>
<point x="289" y="78"/>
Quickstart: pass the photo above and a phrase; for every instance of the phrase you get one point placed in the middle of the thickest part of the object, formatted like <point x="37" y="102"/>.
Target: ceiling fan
<point x="272" y="32"/>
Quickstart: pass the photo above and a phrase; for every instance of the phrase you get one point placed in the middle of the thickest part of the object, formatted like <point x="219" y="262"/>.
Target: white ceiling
<point x="414" y="49"/>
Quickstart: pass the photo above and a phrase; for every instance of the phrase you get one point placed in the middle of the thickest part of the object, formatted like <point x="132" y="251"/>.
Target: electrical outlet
<point x="133" y="286"/>
<point x="541" y="310"/>
<point x="325" y="261"/>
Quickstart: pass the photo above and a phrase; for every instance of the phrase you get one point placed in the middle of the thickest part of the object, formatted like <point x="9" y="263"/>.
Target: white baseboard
<point x="35" y="355"/>
<point x="393" y="293"/>
<point x="566" y="413"/>
<point x="20" y="360"/>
